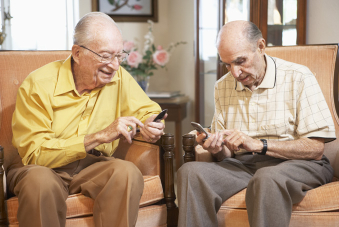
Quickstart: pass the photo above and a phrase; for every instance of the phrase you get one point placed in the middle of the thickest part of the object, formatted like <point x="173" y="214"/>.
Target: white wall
<point x="176" y="23"/>
<point x="181" y="67"/>
<point x="137" y="31"/>
<point x="322" y="21"/>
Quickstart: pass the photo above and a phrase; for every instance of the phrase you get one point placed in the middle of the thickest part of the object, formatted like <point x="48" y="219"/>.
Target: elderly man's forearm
<point x="91" y="141"/>
<point x="303" y="148"/>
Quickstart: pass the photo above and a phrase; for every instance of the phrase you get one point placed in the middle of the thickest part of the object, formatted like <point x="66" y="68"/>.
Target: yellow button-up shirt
<point x="51" y="119"/>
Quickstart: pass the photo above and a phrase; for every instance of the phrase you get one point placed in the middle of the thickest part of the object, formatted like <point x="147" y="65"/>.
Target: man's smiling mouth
<point x="107" y="73"/>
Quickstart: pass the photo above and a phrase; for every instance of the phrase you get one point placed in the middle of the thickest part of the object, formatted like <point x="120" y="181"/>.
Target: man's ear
<point x="76" y="53"/>
<point x="261" y="45"/>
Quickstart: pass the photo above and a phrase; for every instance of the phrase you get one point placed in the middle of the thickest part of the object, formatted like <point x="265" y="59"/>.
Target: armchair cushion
<point x="147" y="217"/>
<point x="324" y="198"/>
<point x="238" y="217"/>
<point x="79" y="205"/>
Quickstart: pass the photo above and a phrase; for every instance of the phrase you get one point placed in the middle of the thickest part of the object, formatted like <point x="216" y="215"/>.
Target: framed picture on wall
<point x="128" y="10"/>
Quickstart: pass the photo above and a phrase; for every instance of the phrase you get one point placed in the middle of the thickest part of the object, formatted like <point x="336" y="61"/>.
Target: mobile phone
<point x="160" y="116"/>
<point x="200" y="129"/>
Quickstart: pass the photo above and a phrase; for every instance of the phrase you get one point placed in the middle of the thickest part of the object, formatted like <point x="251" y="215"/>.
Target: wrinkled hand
<point x="236" y="140"/>
<point x="152" y="131"/>
<point x="119" y="129"/>
<point x="213" y="144"/>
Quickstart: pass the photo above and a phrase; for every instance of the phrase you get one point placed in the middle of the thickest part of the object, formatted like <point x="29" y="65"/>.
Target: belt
<point x="94" y="152"/>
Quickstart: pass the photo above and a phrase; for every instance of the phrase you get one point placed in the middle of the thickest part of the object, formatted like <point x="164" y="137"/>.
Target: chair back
<point x="323" y="62"/>
<point x="14" y="68"/>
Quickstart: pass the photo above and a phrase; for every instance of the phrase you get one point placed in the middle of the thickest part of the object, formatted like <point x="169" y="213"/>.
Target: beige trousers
<point x="115" y="185"/>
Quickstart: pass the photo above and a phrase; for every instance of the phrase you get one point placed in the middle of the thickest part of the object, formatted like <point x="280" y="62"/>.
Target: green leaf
<point x="112" y="2"/>
<point x="148" y="52"/>
<point x="153" y="47"/>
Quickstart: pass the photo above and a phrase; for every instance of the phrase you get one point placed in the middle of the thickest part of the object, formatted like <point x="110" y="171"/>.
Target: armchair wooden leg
<point x="3" y="213"/>
<point x="188" y="144"/>
<point x="167" y="143"/>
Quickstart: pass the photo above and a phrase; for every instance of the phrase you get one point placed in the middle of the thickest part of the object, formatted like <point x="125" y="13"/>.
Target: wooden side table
<point x="177" y="111"/>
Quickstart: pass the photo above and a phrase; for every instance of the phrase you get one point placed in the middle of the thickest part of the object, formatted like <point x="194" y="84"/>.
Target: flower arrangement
<point x="142" y="64"/>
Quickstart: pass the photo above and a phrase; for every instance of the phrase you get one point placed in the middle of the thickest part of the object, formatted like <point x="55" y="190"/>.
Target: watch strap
<point x="264" y="149"/>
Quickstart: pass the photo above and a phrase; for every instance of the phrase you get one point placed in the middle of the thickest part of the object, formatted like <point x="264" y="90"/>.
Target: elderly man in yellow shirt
<point x="68" y="120"/>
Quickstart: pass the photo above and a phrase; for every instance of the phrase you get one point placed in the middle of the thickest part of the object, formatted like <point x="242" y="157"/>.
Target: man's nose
<point x="236" y="71"/>
<point x="114" y="64"/>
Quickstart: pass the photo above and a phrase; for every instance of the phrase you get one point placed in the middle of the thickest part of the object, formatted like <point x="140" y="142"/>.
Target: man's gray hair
<point x="82" y="33"/>
<point x="252" y="33"/>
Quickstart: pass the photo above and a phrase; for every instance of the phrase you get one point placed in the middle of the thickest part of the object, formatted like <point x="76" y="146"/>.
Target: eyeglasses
<point x="106" y="60"/>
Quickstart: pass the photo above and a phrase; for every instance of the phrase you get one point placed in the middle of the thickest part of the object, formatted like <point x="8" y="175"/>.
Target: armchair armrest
<point x="154" y="159"/>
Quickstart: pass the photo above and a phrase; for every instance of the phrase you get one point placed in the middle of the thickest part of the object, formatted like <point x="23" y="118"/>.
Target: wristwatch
<point x="264" y="149"/>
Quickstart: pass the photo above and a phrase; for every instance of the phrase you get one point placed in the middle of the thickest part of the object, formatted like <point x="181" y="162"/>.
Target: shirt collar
<point x="269" y="78"/>
<point x="65" y="81"/>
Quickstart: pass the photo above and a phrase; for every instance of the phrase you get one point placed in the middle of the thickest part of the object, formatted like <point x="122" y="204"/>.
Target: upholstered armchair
<point x="320" y="207"/>
<point x="155" y="160"/>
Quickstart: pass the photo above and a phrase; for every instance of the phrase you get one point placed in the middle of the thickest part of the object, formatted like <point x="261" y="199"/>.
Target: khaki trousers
<point x="273" y="186"/>
<point x="115" y="185"/>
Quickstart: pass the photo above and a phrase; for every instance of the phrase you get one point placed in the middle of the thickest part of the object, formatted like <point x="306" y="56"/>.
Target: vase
<point x="143" y="82"/>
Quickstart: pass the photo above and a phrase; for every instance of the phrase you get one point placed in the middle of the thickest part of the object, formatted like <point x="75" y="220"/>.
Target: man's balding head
<point x="91" y="25"/>
<point x="237" y="33"/>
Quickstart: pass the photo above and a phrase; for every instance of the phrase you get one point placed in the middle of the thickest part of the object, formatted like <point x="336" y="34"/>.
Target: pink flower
<point x="134" y="59"/>
<point x="137" y="7"/>
<point x="161" y="57"/>
<point x="159" y="47"/>
<point x="128" y="46"/>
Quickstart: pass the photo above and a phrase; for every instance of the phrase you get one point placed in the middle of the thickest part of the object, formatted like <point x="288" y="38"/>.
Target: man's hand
<point x="118" y="129"/>
<point x="235" y="140"/>
<point x="214" y="145"/>
<point x="152" y="131"/>
<point x="122" y="127"/>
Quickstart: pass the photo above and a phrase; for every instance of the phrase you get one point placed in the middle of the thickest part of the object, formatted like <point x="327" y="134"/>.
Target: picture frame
<point x="128" y="10"/>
